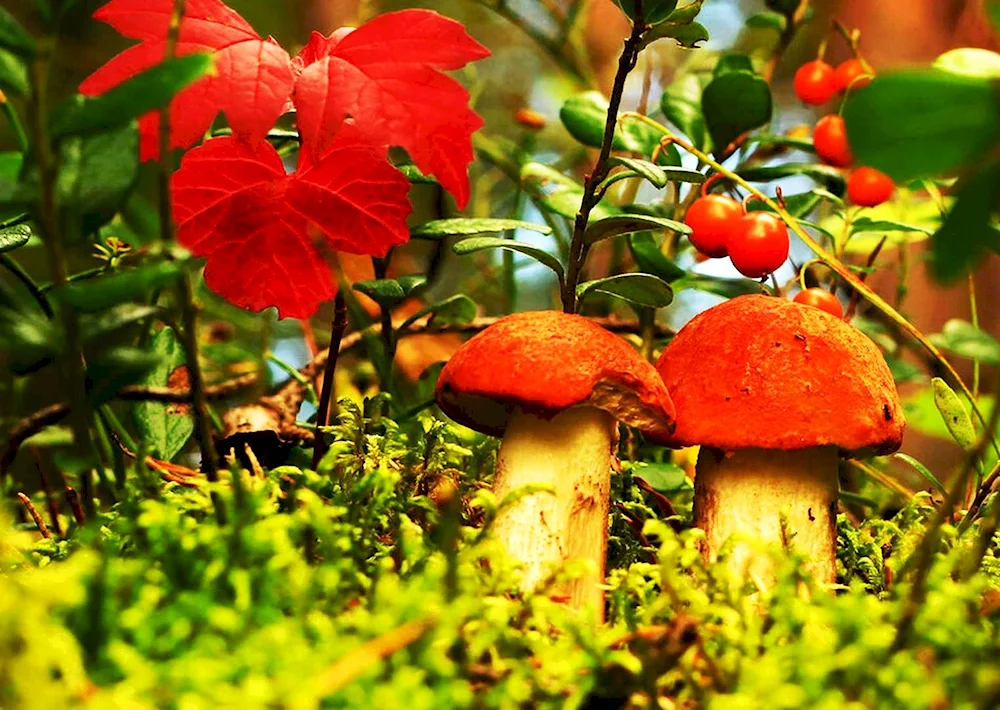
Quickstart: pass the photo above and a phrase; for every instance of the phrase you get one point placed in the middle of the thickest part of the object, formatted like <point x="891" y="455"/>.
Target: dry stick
<point x="578" y="246"/>
<point x="977" y="503"/>
<point x="50" y="500"/>
<point x="833" y="263"/>
<point x="55" y="413"/>
<point x="33" y="512"/>
<point x="346" y="669"/>
<point x="323" y="409"/>
<point x="185" y="289"/>
<point x="74" y="504"/>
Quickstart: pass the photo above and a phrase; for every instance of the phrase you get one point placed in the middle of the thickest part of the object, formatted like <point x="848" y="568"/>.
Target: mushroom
<point x="554" y="386"/>
<point x="774" y="392"/>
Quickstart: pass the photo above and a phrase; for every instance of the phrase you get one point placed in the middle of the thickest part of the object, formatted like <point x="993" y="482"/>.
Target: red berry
<point x="868" y="187"/>
<point x="758" y="244"/>
<point x="814" y="82"/>
<point x="711" y="218"/>
<point x="821" y="299"/>
<point x="830" y="141"/>
<point x="851" y="75"/>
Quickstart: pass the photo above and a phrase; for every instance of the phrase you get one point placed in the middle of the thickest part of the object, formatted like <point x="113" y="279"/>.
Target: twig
<point x="33" y="512"/>
<point x="880" y="477"/>
<point x="578" y="247"/>
<point x="552" y="47"/>
<point x="73" y="498"/>
<point x="323" y="409"/>
<point x="856" y="296"/>
<point x="977" y="502"/>
<point x="345" y="670"/>
<point x="50" y="500"/>
<point x="34" y="423"/>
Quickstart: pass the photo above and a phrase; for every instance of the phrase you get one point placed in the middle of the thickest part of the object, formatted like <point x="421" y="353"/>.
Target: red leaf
<point x="265" y="233"/>
<point x="385" y="76"/>
<point x="252" y="81"/>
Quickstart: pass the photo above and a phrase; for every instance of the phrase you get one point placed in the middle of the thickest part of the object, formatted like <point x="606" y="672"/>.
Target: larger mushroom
<point x="775" y="392"/>
<point x="554" y="387"/>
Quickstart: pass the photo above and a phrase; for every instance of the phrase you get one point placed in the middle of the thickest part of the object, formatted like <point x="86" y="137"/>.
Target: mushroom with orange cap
<point x="554" y="386"/>
<point x="774" y="392"/>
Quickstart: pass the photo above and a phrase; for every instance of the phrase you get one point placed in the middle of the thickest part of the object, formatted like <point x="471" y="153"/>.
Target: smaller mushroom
<point x="554" y="386"/>
<point x="774" y="392"/>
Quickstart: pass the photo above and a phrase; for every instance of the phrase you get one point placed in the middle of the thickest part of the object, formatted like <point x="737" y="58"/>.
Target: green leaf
<point x="467" y="227"/>
<point x="413" y="174"/>
<point x="920" y="123"/>
<point x="663" y="477"/>
<point x="965" y="340"/>
<point x="13" y="237"/>
<point x="955" y="415"/>
<point x="114" y="369"/>
<point x="99" y="326"/>
<point x="826" y="175"/>
<point x="653" y="11"/>
<point x="584" y="116"/>
<point x="13" y="75"/>
<point x="681" y="104"/>
<point x="456" y="310"/>
<point x="29" y="339"/>
<point x="649" y="257"/>
<point x="558" y="193"/>
<point x="96" y="174"/>
<point x="150" y="90"/>
<point x="164" y="427"/>
<point x="922" y="470"/>
<point x="767" y="21"/>
<point x="389" y="293"/>
<point x="629" y="223"/>
<point x="727" y="288"/>
<point x="968" y="230"/>
<point x="639" y="289"/>
<point x="799" y="206"/>
<point x="653" y="174"/>
<point x="732" y="62"/>
<point x="14" y="37"/>
<point x="734" y="103"/>
<point x="100" y="293"/>
<point x="866" y="224"/>
<point x="970" y="61"/>
<point x="686" y="34"/>
<point x="468" y="246"/>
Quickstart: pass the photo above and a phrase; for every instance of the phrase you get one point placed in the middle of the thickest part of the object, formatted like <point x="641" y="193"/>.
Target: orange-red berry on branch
<point x="814" y="82"/>
<point x="869" y="187"/>
<point x="852" y="75"/>
<point x="711" y="218"/>
<point x="758" y="244"/>
<point x="530" y="119"/>
<point x="821" y="299"/>
<point x="830" y="141"/>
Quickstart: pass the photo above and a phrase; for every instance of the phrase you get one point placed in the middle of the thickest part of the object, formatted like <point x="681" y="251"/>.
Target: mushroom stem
<point x="749" y="490"/>
<point x="572" y="453"/>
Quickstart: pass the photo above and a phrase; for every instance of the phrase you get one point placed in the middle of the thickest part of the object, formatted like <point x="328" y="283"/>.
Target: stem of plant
<point x="385" y="316"/>
<point x="835" y="265"/>
<point x="578" y="247"/>
<point x="72" y="368"/>
<point x="29" y="283"/>
<point x="185" y="290"/>
<point x="15" y="123"/>
<point x="325" y="397"/>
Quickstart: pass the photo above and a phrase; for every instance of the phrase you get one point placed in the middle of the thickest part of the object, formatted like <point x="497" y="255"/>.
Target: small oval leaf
<point x="14" y="236"/>
<point x="956" y="416"/>
<point x="629" y="223"/>
<point x="464" y="227"/>
<point x="637" y="288"/>
<point x="468" y="246"/>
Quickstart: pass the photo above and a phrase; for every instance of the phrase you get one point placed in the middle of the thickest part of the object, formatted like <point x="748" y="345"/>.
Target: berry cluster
<point x="817" y="82"/>
<point x="756" y="242"/>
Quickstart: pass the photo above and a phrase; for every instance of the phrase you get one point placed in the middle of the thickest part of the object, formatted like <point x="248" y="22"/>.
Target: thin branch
<point x="33" y="512"/>
<point x="578" y="247"/>
<point x="323" y="409"/>
<point x="551" y="46"/>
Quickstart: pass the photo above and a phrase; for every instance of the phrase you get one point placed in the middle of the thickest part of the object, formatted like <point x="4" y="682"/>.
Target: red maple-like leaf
<point x="385" y="76"/>
<point x="251" y="84"/>
<point x="266" y="233"/>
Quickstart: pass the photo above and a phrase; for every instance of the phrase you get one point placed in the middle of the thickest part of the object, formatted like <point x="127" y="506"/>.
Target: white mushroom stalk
<point x="572" y="453"/>
<point x="763" y="501"/>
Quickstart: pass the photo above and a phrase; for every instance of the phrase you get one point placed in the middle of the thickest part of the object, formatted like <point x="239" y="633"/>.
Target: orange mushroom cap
<point x="762" y="372"/>
<point x="545" y="362"/>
